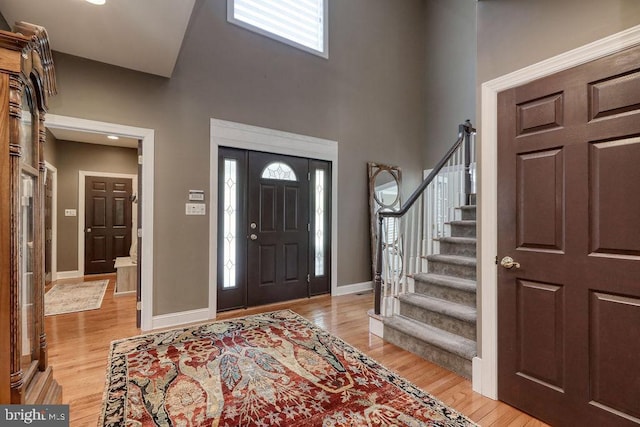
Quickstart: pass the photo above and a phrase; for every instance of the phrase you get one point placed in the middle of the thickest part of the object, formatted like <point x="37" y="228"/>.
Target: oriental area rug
<point x="267" y="369"/>
<point x="72" y="297"/>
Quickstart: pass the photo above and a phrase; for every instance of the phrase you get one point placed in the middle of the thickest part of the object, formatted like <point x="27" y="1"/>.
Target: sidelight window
<point x="229" y="227"/>
<point x="319" y="222"/>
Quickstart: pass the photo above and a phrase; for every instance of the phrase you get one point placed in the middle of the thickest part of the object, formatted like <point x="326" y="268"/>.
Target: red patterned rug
<point x="267" y="369"/>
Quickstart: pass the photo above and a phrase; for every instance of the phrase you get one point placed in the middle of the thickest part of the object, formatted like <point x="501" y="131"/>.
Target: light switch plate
<point x="195" y="209"/>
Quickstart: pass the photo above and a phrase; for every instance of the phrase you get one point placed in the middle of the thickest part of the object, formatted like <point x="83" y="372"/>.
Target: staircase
<point x="438" y="320"/>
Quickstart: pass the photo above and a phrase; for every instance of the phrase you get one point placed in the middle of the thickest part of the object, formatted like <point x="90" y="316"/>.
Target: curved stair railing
<point x="409" y="235"/>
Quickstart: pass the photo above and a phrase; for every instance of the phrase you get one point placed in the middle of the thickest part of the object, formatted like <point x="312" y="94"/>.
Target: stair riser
<point x="447" y="360"/>
<point x="466" y="230"/>
<point x="469" y="214"/>
<point x="455" y="270"/>
<point x="439" y="320"/>
<point x="446" y="293"/>
<point x="464" y="249"/>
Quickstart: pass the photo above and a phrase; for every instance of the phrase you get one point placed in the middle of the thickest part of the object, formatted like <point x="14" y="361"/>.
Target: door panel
<point x="540" y="209"/>
<point x="614" y="355"/>
<point x="540" y="323"/>
<point x="107" y="222"/>
<point x="612" y="210"/>
<point x="279" y="203"/>
<point x="568" y="212"/>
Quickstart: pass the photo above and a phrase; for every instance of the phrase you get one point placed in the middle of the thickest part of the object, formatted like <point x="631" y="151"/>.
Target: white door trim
<point x="485" y="372"/>
<point x="52" y="174"/>
<point x="147" y="136"/>
<point x="82" y="175"/>
<point x="238" y="135"/>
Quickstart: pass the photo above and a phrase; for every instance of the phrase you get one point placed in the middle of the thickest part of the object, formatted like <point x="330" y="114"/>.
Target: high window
<point x="299" y="23"/>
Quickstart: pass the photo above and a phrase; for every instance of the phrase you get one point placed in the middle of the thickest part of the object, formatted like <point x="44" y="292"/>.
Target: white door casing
<point x="147" y="136"/>
<point x="254" y="138"/>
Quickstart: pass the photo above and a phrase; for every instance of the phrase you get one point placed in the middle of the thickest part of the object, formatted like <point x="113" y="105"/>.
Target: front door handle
<point x="509" y="263"/>
<point x="253" y="237"/>
<point x="88" y="230"/>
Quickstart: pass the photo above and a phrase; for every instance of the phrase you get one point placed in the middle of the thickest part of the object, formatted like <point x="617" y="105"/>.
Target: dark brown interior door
<point x="107" y="222"/>
<point x="278" y="221"/>
<point x="569" y="214"/>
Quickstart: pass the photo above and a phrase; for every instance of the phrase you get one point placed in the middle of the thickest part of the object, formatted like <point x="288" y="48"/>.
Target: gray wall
<point x="3" y="24"/>
<point x="72" y="157"/>
<point x="450" y="71"/>
<point x="50" y="148"/>
<point x="369" y="96"/>
<point x="513" y="33"/>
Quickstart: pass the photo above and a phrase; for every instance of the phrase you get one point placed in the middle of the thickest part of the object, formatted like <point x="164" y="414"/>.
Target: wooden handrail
<point x="465" y="131"/>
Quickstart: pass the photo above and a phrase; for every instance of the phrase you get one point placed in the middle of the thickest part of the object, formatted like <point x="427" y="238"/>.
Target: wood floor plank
<point x="79" y="345"/>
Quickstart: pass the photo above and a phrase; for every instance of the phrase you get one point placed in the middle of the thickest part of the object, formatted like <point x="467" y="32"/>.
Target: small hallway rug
<point x="72" y="297"/>
<point x="267" y="369"/>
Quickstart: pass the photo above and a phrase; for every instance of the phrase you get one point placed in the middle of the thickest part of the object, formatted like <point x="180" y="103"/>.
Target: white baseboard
<point x="476" y="374"/>
<point x="68" y="274"/>
<point x="376" y="327"/>
<point x="181" y="318"/>
<point x="353" y="288"/>
<point x="119" y="294"/>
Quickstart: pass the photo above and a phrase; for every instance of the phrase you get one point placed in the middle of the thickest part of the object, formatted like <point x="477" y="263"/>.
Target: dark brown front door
<point x="107" y="222"/>
<point x="569" y="213"/>
<point x="278" y="217"/>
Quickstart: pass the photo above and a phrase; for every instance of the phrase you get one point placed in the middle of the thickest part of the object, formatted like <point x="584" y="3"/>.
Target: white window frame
<point x="325" y="32"/>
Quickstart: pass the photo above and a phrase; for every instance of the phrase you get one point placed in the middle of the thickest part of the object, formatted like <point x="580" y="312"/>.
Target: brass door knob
<point x="509" y="263"/>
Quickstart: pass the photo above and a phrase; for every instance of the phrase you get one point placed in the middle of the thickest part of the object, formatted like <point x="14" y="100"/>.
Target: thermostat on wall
<point x="196" y="195"/>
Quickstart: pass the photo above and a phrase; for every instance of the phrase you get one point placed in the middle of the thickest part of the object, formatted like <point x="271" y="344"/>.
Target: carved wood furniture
<point x="27" y="79"/>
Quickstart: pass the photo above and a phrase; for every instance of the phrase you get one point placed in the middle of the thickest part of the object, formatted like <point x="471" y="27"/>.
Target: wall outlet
<point x="195" y="208"/>
<point x="69" y="212"/>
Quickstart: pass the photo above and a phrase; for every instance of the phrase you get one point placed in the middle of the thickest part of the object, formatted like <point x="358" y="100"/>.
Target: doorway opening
<point x="145" y="229"/>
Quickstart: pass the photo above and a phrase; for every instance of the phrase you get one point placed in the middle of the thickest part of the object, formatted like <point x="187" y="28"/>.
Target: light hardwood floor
<point x="79" y="345"/>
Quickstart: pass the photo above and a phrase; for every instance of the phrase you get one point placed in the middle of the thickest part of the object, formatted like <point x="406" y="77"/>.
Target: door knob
<point x="88" y="230"/>
<point x="508" y="263"/>
<point x="253" y="237"/>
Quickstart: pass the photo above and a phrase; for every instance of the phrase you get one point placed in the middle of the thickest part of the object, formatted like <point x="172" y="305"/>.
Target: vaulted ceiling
<point x="142" y="35"/>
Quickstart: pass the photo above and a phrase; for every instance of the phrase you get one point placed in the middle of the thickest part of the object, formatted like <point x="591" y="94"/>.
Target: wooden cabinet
<point x="27" y="79"/>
